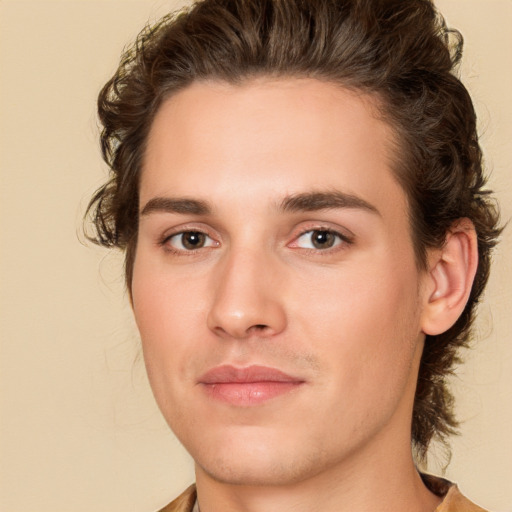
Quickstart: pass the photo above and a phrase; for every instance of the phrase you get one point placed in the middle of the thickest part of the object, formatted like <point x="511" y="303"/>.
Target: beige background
<point x="79" y="430"/>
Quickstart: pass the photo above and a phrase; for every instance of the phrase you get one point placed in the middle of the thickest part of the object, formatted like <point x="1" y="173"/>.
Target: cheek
<point x="166" y="312"/>
<point x="364" y="322"/>
<point x="164" y="301"/>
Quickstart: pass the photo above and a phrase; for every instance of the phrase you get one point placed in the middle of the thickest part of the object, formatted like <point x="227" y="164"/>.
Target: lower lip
<point x="249" y="393"/>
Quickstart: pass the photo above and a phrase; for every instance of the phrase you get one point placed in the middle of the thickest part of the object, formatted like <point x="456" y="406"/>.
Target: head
<point x="398" y="55"/>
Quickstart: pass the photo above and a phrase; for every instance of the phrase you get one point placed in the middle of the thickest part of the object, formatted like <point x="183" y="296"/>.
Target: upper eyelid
<point x="343" y="232"/>
<point x="168" y="236"/>
<point x="300" y="230"/>
<point x="345" y="239"/>
<point x="165" y="243"/>
<point x="328" y="229"/>
<point x="182" y="232"/>
<point x="185" y="228"/>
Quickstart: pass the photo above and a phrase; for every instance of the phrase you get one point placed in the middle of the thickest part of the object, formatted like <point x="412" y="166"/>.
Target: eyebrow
<point x="314" y="201"/>
<point x="303" y="202"/>
<point x="182" y="205"/>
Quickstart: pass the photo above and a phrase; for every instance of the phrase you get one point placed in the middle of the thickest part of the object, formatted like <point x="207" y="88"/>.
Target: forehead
<point x="268" y="139"/>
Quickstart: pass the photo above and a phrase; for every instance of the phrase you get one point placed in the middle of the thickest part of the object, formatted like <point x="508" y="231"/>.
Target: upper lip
<point x="255" y="373"/>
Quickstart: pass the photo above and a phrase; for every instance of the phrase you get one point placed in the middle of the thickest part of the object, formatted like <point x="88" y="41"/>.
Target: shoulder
<point x="453" y="501"/>
<point x="183" y="503"/>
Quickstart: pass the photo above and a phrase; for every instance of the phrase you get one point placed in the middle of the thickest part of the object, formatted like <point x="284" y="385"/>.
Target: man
<point x="298" y="188"/>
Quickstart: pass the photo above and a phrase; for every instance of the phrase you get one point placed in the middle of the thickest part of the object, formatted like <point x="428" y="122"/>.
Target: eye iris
<point x="322" y="239"/>
<point x="193" y="240"/>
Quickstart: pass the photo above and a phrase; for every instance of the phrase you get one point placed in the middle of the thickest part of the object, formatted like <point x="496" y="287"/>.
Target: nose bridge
<point x="246" y="297"/>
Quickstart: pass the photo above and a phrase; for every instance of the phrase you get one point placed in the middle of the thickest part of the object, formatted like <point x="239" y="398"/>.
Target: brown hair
<point x="399" y="51"/>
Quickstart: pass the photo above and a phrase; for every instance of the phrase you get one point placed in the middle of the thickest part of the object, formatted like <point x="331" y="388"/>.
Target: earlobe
<point x="450" y="278"/>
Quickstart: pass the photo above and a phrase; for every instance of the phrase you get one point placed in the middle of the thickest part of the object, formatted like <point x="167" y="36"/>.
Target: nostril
<point x="257" y="329"/>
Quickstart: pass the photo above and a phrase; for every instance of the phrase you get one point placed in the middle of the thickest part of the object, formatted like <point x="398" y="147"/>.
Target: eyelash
<point x="165" y="242"/>
<point x="343" y="240"/>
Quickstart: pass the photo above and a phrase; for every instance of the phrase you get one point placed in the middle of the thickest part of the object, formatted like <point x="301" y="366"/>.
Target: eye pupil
<point x="322" y="239"/>
<point x="193" y="240"/>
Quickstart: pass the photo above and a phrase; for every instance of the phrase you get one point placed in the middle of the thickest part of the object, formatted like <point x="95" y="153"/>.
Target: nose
<point x="247" y="297"/>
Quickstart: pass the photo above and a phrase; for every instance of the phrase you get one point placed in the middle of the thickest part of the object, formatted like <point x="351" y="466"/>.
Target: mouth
<point x="248" y="386"/>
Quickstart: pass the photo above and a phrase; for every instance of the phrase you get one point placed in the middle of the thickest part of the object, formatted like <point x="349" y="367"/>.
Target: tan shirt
<point x="453" y="501"/>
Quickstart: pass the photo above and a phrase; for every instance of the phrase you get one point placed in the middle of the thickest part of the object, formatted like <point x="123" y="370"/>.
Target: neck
<point x="384" y="482"/>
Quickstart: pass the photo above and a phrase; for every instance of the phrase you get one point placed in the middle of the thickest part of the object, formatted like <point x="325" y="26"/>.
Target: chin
<point x="248" y="472"/>
<point x="259" y="464"/>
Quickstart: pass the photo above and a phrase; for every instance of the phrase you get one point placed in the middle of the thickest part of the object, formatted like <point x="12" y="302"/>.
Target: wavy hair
<point x="401" y="52"/>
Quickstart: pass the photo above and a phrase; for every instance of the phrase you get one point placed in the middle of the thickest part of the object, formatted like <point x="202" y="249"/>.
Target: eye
<point x="319" y="239"/>
<point x="189" y="241"/>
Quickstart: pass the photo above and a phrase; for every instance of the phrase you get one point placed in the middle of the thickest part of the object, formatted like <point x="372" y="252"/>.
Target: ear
<point x="450" y="278"/>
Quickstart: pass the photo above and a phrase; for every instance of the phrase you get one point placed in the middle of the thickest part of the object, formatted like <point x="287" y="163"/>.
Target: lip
<point x="252" y="385"/>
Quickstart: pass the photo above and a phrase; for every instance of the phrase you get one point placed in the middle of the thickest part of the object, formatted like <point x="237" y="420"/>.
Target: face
<point x="275" y="285"/>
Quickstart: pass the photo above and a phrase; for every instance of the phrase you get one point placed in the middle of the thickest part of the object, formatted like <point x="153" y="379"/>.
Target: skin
<point x="348" y="321"/>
